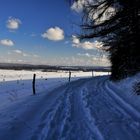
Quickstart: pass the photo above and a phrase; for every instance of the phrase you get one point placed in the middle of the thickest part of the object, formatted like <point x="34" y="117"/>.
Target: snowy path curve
<point x="86" y="109"/>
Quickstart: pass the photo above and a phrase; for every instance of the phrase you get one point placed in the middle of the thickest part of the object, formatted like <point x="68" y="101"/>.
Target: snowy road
<point x="86" y="109"/>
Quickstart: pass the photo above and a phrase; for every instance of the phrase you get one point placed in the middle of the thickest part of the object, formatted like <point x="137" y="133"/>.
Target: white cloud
<point x="98" y="55"/>
<point x="88" y="45"/>
<point x="13" y="23"/>
<point x="21" y="53"/>
<point x="82" y="61"/>
<point x="79" y="5"/>
<point x="85" y="54"/>
<point x="99" y="58"/>
<point x="75" y="40"/>
<point x="54" y="34"/>
<point x="25" y="54"/>
<point x="20" y="60"/>
<point x="17" y="51"/>
<point x="6" y="42"/>
<point x="35" y="55"/>
<point x="105" y="16"/>
<point x="85" y="45"/>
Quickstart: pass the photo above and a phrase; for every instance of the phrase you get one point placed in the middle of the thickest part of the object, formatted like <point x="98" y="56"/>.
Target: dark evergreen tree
<point x="119" y="31"/>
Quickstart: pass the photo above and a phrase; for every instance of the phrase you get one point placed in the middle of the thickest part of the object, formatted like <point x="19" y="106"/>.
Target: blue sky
<point x="43" y="32"/>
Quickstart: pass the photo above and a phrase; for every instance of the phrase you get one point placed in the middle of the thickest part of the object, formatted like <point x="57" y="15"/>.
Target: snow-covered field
<point x="11" y="75"/>
<point x="88" y="108"/>
<point x="15" y="85"/>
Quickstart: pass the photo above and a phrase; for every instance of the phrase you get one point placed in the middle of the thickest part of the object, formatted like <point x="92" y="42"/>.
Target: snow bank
<point x="125" y="90"/>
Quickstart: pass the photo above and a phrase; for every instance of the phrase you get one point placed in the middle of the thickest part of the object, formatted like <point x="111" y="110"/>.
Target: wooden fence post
<point x="33" y="84"/>
<point x="69" y="75"/>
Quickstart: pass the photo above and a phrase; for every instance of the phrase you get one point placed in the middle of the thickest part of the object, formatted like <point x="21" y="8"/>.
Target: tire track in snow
<point x="58" y="121"/>
<point x="48" y="122"/>
<point x="66" y="119"/>
<point x="130" y="122"/>
<point x="112" y="121"/>
<point x="80" y="128"/>
<point x="55" y="121"/>
<point x="91" y="120"/>
<point x="127" y="107"/>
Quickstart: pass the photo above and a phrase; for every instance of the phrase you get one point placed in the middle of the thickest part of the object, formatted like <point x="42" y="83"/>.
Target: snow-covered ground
<point x="11" y="75"/>
<point x="88" y="108"/>
<point x="15" y="85"/>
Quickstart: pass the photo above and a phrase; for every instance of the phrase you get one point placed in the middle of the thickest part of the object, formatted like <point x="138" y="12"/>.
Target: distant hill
<point x="14" y="66"/>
